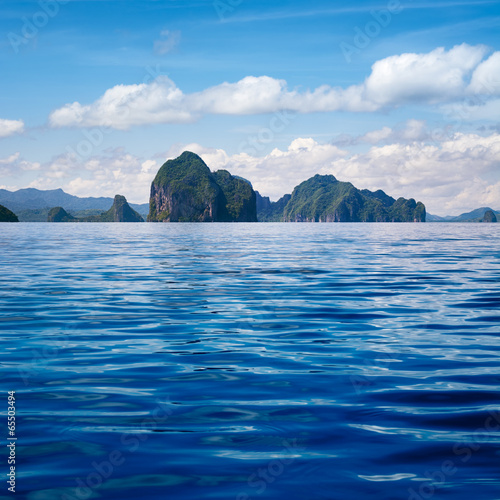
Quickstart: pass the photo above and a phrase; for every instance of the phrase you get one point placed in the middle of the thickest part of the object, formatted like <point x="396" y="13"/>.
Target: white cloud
<point x="168" y="42"/>
<point x="11" y="127"/>
<point x="10" y="159"/>
<point x="453" y="176"/>
<point x="434" y="77"/>
<point x="377" y="136"/>
<point x="407" y="132"/>
<point x="486" y="77"/>
<point x="437" y="77"/>
<point x="115" y="172"/>
<point x="14" y="164"/>
<point x="126" y="105"/>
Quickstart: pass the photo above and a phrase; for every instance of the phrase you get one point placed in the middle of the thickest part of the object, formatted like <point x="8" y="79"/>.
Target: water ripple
<point x="253" y="361"/>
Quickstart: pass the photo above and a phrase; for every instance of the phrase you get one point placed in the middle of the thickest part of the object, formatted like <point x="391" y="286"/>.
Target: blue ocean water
<point x="252" y="361"/>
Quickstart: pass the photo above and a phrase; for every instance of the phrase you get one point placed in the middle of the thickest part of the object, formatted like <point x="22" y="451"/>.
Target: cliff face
<point x="323" y="198"/>
<point x="240" y="200"/>
<point x="7" y="216"/>
<point x="271" y="211"/>
<point x="184" y="190"/>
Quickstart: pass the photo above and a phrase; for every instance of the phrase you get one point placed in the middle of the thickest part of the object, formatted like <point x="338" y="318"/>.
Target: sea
<point x="250" y="361"/>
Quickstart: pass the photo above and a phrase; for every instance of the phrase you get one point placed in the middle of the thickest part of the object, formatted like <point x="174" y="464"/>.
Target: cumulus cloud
<point x="107" y="174"/>
<point x="434" y="77"/>
<point x="407" y="132"/>
<point x="437" y="77"/>
<point x="486" y="77"/>
<point x="11" y="127"/>
<point x="459" y="174"/>
<point x="456" y="175"/>
<point x="14" y="164"/>
<point x="125" y="105"/>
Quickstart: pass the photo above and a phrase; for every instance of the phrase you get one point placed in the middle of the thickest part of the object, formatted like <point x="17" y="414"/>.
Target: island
<point x="185" y="190"/>
<point x="7" y="216"/>
<point x="323" y="198"/>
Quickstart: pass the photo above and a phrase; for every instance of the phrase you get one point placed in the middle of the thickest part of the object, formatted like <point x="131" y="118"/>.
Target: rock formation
<point x="323" y="198"/>
<point x="185" y="190"/>
<point x="121" y="211"/>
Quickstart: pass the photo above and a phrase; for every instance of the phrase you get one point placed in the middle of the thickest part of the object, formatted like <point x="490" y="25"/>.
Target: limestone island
<point x="185" y="190"/>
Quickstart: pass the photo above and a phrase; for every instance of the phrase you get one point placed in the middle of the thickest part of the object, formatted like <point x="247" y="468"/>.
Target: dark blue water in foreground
<point x="252" y="361"/>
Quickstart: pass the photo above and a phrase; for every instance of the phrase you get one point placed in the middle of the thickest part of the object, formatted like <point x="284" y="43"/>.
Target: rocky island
<point x="323" y="198"/>
<point x="185" y="190"/>
<point x="7" y="216"/>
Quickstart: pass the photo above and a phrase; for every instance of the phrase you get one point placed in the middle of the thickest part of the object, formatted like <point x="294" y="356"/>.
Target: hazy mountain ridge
<point x="476" y="215"/>
<point x="119" y="212"/>
<point x="33" y="205"/>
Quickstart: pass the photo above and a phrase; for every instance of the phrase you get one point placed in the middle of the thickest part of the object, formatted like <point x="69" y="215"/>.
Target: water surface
<point x="253" y="361"/>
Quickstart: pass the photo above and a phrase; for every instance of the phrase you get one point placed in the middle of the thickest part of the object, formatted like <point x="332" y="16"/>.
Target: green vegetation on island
<point x="185" y="190"/>
<point x="121" y="211"/>
<point x="323" y="198"/>
<point x="239" y="204"/>
<point x="7" y="216"/>
<point x="58" y="214"/>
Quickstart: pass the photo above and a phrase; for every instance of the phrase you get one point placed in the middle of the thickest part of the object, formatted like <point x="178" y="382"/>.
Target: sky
<point x="399" y="95"/>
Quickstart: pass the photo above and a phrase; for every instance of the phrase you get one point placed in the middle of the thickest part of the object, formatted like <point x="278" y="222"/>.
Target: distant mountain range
<point x="476" y="215"/>
<point x="121" y="211"/>
<point x="33" y="205"/>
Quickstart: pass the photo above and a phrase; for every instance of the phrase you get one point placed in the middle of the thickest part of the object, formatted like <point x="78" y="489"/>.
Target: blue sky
<point x="398" y="95"/>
